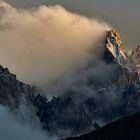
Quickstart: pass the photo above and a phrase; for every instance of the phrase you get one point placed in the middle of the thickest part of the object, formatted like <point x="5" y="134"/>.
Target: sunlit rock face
<point x="116" y="53"/>
<point x="126" y="72"/>
<point x="114" y="50"/>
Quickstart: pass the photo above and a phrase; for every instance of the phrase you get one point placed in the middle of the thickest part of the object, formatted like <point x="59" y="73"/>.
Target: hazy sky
<point x="48" y="40"/>
<point x="121" y="14"/>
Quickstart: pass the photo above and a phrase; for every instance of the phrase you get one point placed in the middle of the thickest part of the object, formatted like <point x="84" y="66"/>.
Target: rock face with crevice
<point x="114" y="49"/>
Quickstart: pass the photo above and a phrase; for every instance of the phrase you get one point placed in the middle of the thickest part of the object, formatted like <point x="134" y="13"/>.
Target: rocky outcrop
<point x="114" y="49"/>
<point x="127" y="71"/>
<point x="14" y="92"/>
<point x="134" y="59"/>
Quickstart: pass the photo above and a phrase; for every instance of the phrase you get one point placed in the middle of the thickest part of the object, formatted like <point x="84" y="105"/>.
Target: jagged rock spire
<point x="114" y="49"/>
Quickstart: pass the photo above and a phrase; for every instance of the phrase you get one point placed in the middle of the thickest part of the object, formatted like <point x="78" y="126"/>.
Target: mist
<point x="13" y="130"/>
<point x="43" y="44"/>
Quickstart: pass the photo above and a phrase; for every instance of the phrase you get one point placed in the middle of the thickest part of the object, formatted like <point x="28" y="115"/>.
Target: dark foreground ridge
<point x="127" y="128"/>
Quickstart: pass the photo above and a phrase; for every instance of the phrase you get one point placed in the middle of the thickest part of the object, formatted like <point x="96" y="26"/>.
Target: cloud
<point x="42" y="44"/>
<point x="12" y="130"/>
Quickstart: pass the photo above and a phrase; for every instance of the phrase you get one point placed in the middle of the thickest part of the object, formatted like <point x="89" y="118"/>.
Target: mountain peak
<point x="114" y="49"/>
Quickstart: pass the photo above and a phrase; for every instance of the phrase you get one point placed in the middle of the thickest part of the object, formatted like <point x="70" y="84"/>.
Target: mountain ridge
<point x="102" y="98"/>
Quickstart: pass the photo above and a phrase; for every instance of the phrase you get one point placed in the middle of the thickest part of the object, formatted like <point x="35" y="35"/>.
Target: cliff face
<point x="13" y="92"/>
<point x="128" y="65"/>
<point x="93" y="100"/>
<point x="114" y="49"/>
<point x="134" y="59"/>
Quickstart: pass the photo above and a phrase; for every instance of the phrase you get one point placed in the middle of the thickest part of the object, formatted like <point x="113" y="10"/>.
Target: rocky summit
<point x="114" y="49"/>
<point x="92" y="101"/>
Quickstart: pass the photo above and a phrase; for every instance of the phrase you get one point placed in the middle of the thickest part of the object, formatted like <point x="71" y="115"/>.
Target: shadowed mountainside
<point x="127" y="128"/>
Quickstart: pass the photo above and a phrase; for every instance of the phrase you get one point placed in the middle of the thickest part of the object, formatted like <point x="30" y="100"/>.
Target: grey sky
<point x="121" y="14"/>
